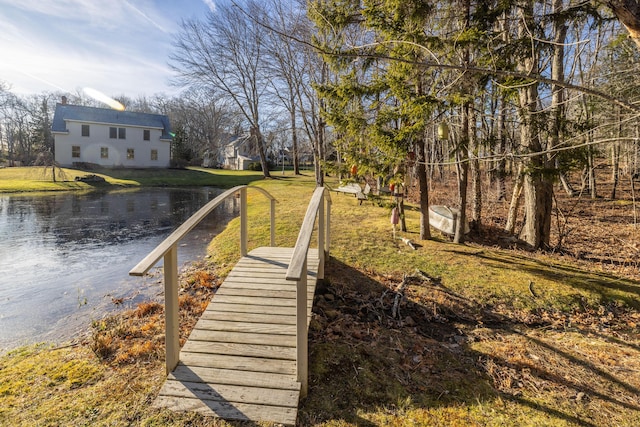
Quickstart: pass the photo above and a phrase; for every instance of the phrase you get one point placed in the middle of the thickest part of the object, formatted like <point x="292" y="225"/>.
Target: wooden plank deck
<point x="239" y="362"/>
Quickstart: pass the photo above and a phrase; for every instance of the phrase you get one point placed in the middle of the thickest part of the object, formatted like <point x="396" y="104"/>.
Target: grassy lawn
<point x="482" y="336"/>
<point x="33" y="179"/>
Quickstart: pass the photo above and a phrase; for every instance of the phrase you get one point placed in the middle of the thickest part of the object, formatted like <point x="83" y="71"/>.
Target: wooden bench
<point x="356" y="190"/>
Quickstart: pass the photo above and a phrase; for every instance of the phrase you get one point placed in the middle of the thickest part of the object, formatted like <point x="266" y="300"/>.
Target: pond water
<point x="65" y="258"/>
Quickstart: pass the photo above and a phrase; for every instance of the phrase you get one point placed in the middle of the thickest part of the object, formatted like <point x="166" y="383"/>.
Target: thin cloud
<point x="45" y="81"/>
<point x="210" y="4"/>
<point x="78" y="10"/>
<point x="146" y="17"/>
<point x="118" y="47"/>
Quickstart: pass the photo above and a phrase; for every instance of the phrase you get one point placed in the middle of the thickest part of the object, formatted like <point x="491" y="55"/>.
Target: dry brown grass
<point x="137" y="336"/>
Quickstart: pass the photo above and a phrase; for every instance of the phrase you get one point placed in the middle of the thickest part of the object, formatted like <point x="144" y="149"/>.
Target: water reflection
<point x="63" y="257"/>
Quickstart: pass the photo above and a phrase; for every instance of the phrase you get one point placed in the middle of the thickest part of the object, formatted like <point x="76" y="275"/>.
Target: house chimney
<point x="64" y="100"/>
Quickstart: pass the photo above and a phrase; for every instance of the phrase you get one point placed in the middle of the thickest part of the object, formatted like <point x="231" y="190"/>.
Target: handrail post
<point x="273" y="222"/>
<point x="171" y="305"/>
<point x="321" y="237"/>
<point x="243" y="222"/>
<point x="302" y="356"/>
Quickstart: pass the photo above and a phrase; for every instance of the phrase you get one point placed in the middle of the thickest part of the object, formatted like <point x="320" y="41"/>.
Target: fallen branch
<point x="533" y="293"/>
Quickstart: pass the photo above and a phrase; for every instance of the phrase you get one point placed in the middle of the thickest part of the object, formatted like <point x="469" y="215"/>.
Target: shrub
<point x="255" y="166"/>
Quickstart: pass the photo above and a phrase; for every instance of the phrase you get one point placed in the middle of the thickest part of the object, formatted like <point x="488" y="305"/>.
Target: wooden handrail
<point x="169" y="250"/>
<point x="154" y="256"/>
<point x="294" y="272"/>
<point x="298" y="271"/>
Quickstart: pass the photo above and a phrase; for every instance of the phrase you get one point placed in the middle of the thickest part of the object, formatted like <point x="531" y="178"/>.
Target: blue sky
<point x="115" y="46"/>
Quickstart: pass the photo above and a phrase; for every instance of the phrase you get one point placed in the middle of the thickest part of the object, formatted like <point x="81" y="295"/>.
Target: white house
<point x="240" y="153"/>
<point x="110" y="138"/>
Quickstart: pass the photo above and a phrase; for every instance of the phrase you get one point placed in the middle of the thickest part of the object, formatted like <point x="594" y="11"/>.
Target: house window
<point x="119" y="133"/>
<point x="104" y="152"/>
<point x="130" y="154"/>
<point x="75" y="151"/>
<point x="154" y="154"/>
<point x="147" y="135"/>
<point x="85" y="130"/>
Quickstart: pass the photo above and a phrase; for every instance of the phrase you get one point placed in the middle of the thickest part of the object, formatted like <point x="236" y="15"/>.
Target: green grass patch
<point x="38" y="179"/>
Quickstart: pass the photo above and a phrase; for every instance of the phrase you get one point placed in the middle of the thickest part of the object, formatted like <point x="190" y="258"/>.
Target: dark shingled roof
<point x="108" y="116"/>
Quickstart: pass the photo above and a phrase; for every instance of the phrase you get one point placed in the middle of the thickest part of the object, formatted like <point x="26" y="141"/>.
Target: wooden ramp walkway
<point x="239" y="362"/>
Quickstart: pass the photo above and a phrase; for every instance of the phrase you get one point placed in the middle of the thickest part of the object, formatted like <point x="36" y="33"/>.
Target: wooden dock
<point x="239" y="362"/>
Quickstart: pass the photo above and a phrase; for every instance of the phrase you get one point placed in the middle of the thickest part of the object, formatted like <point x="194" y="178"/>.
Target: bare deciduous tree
<point x="226" y="53"/>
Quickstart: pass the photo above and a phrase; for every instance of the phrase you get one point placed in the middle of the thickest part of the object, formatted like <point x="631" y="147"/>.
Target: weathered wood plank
<point x="262" y="274"/>
<point x="235" y="349"/>
<point x="241" y="363"/>
<point x="253" y="265"/>
<point x="234" y="377"/>
<point x="249" y="317"/>
<point x="247" y="283"/>
<point x="229" y="411"/>
<point x="250" y="308"/>
<point x="289" y="294"/>
<point x="263" y="281"/>
<point x="256" y="328"/>
<point x="232" y="299"/>
<point x="243" y="338"/>
<point x="230" y="393"/>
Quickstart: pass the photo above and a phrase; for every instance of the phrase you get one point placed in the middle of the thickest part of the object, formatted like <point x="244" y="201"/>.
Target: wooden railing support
<point x="327" y="240"/>
<point x="171" y="309"/>
<point x="243" y="222"/>
<point x="321" y="238"/>
<point x="273" y="222"/>
<point x="302" y="336"/>
<point x="169" y="250"/>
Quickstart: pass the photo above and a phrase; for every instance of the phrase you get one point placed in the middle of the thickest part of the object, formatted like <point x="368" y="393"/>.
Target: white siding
<point x="90" y="147"/>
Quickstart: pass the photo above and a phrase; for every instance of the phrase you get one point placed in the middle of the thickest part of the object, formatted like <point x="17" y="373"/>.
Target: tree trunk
<point x="566" y="185"/>
<point x="538" y="196"/>
<point x="462" y="153"/>
<point x="615" y="158"/>
<point x="476" y="178"/>
<point x="515" y="201"/>
<point x="558" y="95"/>
<point x="403" y="219"/>
<point x="615" y="168"/>
<point x="294" y="137"/>
<point x="462" y="167"/>
<point x="261" y="150"/>
<point x="628" y="13"/>
<point x="501" y="164"/>
<point x="538" y="188"/>
<point x="423" y="186"/>
<point x="501" y="173"/>
<point x="319" y="153"/>
<point x="591" y="173"/>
